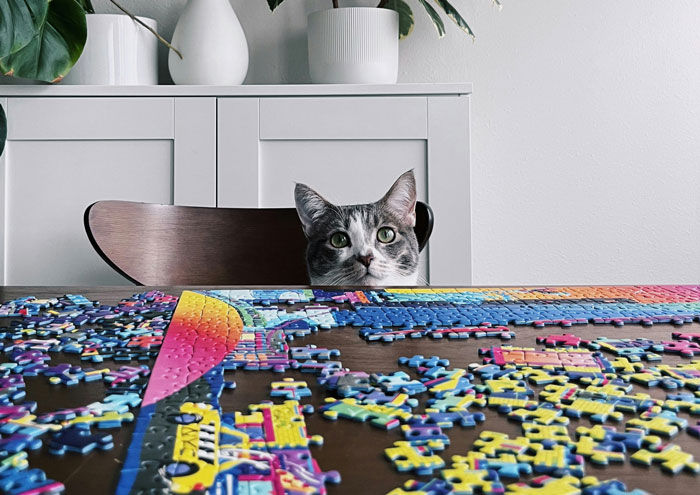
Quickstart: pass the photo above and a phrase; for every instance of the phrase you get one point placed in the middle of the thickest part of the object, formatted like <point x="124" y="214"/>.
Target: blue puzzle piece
<point x="79" y="440"/>
<point x="449" y="419"/>
<point x="119" y="403"/>
<point x="418" y="361"/>
<point x="17" y="442"/>
<point x="398" y="381"/>
<point x="16" y="482"/>
<point x="611" y="487"/>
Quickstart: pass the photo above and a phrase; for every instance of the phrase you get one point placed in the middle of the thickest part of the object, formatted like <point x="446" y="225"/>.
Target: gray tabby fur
<point x="394" y="263"/>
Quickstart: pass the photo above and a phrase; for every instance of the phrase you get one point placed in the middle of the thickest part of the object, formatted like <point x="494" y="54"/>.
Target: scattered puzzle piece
<point x="407" y="457"/>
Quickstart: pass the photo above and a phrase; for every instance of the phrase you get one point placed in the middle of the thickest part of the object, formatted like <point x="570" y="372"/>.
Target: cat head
<point x="369" y="244"/>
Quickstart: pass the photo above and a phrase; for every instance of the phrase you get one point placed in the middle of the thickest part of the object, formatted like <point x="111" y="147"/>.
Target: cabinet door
<point x="351" y="149"/>
<point x="65" y="153"/>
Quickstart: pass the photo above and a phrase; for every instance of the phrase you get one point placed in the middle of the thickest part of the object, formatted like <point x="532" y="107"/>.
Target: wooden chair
<point x="152" y="244"/>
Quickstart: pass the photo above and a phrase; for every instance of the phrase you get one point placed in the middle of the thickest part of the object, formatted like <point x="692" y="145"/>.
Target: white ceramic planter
<point x="212" y="43"/>
<point x="118" y="51"/>
<point x="357" y="45"/>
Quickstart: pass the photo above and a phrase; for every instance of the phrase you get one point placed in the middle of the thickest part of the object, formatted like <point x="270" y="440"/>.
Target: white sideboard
<point x="246" y="146"/>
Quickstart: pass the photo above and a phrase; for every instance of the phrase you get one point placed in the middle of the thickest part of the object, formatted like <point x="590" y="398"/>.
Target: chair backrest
<point x="152" y="244"/>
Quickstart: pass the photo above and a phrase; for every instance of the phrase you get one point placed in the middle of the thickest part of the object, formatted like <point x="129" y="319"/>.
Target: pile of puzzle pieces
<point x="40" y="330"/>
<point x="267" y="449"/>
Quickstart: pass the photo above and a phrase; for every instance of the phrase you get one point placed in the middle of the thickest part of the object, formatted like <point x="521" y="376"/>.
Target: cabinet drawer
<point x="90" y="118"/>
<point x="343" y="118"/>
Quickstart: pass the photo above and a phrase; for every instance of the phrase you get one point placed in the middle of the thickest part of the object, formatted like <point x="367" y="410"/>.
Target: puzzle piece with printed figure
<point x="543" y="414"/>
<point x="430" y="435"/>
<point x="600" y="453"/>
<point x="501" y="385"/>
<point x="652" y="377"/>
<point x="448" y="382"/>
<point x="290" y="389"/>
<point x="431" y="487"/>
<point x="632" y="438"/>
<point x="506" y="465"/>
<point x="665" y="423"/>
<point x="553" y="459"/>
<point x="632" y="349"/>
<point x="671" y="459"/>
<point x="505" y="402"/>
<point x="381" y="415"/>
<point x="687" y="402"/>
<point x="466" y="481"/>
<point x="539" y="433"/>
<point x="546" y="485"/>
<point x="418" y="458"/>
<point x="493" y="443"/>
<point x="540" y="376"/>
<point x="452" y="403"/>
<point x="596" y="411"/>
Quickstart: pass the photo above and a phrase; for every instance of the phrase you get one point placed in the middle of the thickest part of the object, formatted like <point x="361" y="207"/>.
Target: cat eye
<point x="386" y="235"/>
<point x="339" y="240"/>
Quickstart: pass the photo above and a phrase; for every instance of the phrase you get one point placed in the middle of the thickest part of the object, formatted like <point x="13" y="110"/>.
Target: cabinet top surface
<point x="241" y="91"/>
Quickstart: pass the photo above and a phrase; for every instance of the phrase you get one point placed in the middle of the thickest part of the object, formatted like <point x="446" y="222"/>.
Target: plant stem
<point x="155" y="33"/>
<point x="335" y="4"/>
<point x="382" y="4"/>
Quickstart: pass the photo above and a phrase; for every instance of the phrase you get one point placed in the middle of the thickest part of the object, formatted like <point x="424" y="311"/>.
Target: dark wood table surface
<point x="356" y="450"/>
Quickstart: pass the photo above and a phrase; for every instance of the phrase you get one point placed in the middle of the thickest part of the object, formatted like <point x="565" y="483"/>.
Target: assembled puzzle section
<point x="184" y="443"/>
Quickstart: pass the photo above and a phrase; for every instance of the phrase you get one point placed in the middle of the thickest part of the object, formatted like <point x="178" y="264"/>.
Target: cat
<point x="361" y="245"/>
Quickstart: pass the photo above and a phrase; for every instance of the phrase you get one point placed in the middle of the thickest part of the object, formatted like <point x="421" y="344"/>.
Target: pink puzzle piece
<point x="693" y="337"/>
<point x="564" y="340"/>
<point x="682" y="347"/>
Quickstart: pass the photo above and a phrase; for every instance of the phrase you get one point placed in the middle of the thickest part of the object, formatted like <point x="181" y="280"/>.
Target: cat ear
<point x="310" y="206"/>
<point x="401" y="198"/>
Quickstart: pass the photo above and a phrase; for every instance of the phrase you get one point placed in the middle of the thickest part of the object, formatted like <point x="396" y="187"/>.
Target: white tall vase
<point x="212" y="43"/>
<point x="355" y="45"/>
<point x="118" y="51"/>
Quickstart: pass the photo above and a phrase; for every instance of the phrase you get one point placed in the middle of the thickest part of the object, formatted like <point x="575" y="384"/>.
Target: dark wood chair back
<point x="153" y="244"/>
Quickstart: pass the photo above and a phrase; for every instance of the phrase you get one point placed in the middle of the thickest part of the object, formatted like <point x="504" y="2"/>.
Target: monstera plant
<point x="41" y="39"/>
<point x="406" y="20"/>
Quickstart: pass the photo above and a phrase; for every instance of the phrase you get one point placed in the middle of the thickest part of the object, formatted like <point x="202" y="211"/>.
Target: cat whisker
<point x="421" y="280"/>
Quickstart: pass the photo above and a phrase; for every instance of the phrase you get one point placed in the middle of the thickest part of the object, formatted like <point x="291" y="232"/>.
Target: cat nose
<point x="366" y="259"/>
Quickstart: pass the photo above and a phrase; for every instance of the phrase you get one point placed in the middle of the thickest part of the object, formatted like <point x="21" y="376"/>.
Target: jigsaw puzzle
<point x="184" y="441"/>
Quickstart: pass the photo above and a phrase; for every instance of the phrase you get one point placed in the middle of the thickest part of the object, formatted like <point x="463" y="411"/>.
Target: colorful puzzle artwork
<point x="163" y="361"/>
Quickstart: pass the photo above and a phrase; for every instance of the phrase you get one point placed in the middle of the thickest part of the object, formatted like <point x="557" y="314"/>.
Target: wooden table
<point x="354" y="449"/>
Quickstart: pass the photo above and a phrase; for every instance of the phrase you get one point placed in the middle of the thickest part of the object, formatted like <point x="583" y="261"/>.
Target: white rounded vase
<point x="356" y="45"/>
<point x="118" y="51"/>
<point x="212" y="43"/>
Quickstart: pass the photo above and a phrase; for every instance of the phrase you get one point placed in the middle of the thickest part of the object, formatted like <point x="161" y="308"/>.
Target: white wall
<point x="586" y="127"/>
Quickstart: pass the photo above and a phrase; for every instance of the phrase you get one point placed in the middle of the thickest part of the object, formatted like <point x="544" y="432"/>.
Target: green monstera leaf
<point x="87" y="6"/>
<point x="455" y="16"/>
<point x="435" y="17"/>
<point x="54" y="49"/>
<point x="406" y="20"/>
<point x="20" y="20"/>
<point x="3" y="129"/>
<point x="274" y="3"/>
